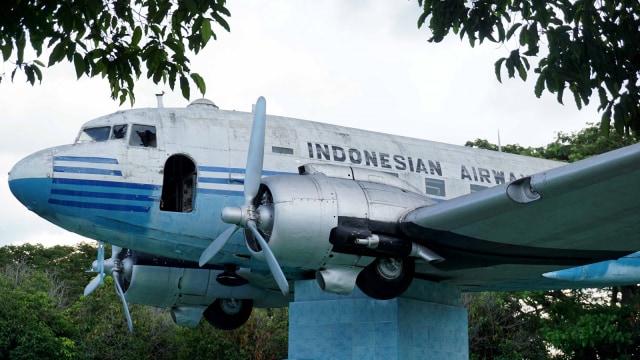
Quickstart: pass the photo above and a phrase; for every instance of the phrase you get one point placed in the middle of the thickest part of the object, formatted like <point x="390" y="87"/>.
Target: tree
<point x="592" y="46"/>
<point x="115" y="39"/>
<point x="587" y="324"/>
<point x="31" y="326"/>
<point x="500" y="328"/>
<point x="64" y="265"/>
<point x="44" y="315"/>
<point x="590" y="141"/>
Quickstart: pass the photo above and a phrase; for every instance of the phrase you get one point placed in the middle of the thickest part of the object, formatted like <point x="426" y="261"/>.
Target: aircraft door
<point x="179" y="184"/>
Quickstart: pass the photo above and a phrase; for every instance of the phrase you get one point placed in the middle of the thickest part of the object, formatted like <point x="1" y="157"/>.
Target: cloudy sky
<point x="361" y="64"/>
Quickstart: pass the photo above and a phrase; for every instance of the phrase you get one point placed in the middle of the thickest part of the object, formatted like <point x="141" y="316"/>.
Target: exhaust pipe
<point x="338" y="279"/>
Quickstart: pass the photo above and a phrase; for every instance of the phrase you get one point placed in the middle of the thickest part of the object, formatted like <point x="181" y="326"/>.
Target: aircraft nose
<point x="30" y="180"/>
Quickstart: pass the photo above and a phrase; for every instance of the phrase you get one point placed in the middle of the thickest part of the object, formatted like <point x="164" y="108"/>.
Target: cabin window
<point x="179" y="184"/>
<point x="119" y="131"/>
<point x="475" y="188"/>
<point x="282" y="150"/>
<point x="434" y="187"/>
<point x="143" y="135"/>
<point x="94" y="134"/>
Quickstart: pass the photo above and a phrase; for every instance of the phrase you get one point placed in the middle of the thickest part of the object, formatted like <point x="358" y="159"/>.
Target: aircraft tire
<point x="228" y="314"/>
<point x="386" y="278"/>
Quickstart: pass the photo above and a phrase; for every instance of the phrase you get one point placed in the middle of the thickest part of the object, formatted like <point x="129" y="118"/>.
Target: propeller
<point x="113" y="267"/>
<point x="247" y="216"/>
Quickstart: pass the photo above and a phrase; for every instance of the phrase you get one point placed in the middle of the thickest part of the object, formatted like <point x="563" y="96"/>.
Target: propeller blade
<point x="117" y="278"/>
<point x="255" y="156"/>
<point x="216" y="245"/>
<point x="271" y="260"/>
<point x="93" y="285"/>
<point x="96" y="267"/>
<point x="115" y="251"/>
<point x="101" y="260"/>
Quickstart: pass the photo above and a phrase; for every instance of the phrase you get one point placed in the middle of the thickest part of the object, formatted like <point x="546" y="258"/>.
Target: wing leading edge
<point x="577" y="214"/>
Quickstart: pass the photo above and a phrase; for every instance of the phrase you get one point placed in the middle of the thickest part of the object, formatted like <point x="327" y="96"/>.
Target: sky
<point x="361" y="64"/>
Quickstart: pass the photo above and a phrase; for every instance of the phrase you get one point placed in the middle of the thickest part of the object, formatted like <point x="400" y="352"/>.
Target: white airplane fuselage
<point x="156" y="180"/>
<point x="111" y="191"/>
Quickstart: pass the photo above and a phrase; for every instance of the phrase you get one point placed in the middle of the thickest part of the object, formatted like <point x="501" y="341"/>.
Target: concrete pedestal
<point x="427" y="322"/>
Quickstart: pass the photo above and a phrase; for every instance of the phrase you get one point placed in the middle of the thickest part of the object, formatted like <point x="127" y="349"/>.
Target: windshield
<point x="119" y="131"/>
<point x="103" y="133"/>
<point x="95" y="134"/>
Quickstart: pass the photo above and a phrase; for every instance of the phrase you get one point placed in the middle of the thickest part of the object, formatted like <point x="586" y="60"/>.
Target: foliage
<point x="592" y="47"/>
<point x="38" y="322"/>
<point x="587" y="323"/>
<point x="115" y="39"/>
<point x="510" y="148"/>
<point x="585" y="143"/>
<point x="64" y="265"/>
<point x="590" y="141"/>
<point x="264" y="336"/>
<point x="499" y="328"/>
<point x="31" y="327"/>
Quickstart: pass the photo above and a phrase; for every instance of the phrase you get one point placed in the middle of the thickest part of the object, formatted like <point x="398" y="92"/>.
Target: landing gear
<point x="386" y="278"/>
<point x="228" y="314"/>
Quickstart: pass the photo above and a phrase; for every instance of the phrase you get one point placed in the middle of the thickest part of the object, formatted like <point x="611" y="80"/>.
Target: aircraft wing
<point x="505" y="237"/>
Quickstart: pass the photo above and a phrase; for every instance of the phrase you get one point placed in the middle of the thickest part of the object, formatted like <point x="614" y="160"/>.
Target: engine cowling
<point x="332" y="197"/>
<point x="186" y="288"/>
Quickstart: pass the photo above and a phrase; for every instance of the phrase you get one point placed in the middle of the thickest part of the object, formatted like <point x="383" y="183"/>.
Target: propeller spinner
<point x="247" y="216"/>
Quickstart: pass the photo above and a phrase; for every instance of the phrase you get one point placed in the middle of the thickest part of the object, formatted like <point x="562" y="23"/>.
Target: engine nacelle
<point x="186" y="288"/>
<point x="303" y="210"/>
<point x="162" y="286"/>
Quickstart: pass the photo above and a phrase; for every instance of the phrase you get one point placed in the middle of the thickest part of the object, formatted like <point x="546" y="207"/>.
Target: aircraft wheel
<point x="228" y="314"/>
<point x="386" y="278"/>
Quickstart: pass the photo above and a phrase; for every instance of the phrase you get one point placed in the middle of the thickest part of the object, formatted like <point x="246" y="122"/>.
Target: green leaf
<point x="523" y="36"/>
<point x="205" y="30"/>
<point x="539" y="85"/>
<point x="57" y="54"/>
<point x="522" y="72"/>
<point x="123" y="96"/>
<point x="78" y="62"/>
<point x="220" y="20"/>
<point x="137" y="35"/>
<point x="20" y="44"/>
<point x="522" y="65"/>
<point x="501" y="34"/>
<point x="560" y="94"/>
<point x="6" y="51"/>
<point x="199" y="81"/>
<point x="421" y="19"/>
<point x="576" y="97"/>
<point x="498" y="66"/>
<point x="184" y="86"/>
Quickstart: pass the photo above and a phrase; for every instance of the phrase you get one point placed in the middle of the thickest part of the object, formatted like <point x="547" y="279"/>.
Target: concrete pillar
<point x="427" y="322"/>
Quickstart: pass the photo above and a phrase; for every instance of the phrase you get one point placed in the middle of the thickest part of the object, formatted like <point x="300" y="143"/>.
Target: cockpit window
<point x="95" y="134"/>
<point x="143" y="135"/>
<point x="119" y="132"/>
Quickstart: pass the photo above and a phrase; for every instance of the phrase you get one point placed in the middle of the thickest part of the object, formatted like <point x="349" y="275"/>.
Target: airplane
<point x="211" y="212"/>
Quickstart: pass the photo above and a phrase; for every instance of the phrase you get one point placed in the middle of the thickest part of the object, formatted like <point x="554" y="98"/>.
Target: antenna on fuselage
<point x="159" y="98"/>
<point x="499" y="144"/>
